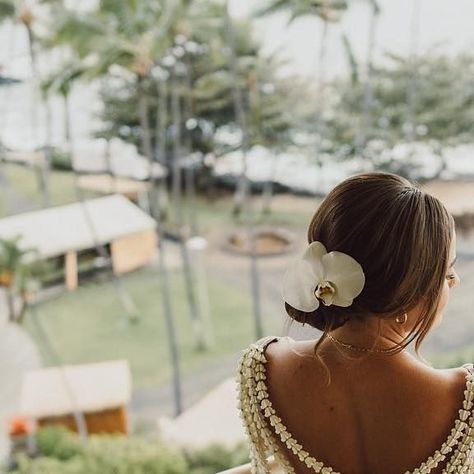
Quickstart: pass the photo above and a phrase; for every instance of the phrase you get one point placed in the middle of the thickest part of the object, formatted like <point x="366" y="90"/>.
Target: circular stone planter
<point x="268" y="242"/>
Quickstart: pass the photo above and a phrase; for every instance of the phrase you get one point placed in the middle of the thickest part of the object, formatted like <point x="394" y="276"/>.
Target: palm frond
<point x="375" y="7"/>
<point x="351" y="59"/>
<point x="7" y="9"/>
<point x="274" y="6"/>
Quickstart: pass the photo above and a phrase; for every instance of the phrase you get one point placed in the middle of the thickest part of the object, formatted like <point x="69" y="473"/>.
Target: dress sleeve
<point x="250" y="373"/>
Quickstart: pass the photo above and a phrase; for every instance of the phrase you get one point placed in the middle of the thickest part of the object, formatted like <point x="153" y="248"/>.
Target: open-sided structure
<point x="101" y="392"/>
<point x="67" y="232"/>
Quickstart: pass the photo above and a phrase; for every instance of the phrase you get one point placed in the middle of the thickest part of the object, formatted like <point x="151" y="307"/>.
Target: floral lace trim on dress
<point x="256" y="408"/>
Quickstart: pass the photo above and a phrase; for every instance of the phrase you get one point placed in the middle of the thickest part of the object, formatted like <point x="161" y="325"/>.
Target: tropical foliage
<point x="61" y="452"/>
<point x="17" y="275"/>
<point x="135" y="46"/>
<point x="440" y="116"/>
<point x="328" y="10"/>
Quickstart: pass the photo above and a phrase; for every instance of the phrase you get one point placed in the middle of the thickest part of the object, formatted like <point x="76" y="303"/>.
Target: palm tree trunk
<point x="196" y="320"/>
<point x="41" y="168"/>
<point x="170" y="329"/>
<point x="67" y="128"/>
<point x="47" y="152"/>
<point x="145" y="127"/>
<point x="145" y="123"/>
<point x="190" y="187"/>
<point x="78" y="415"/>
<point x="21" y="313"/>
<point x="267" y="194"/>
<point x="160" y="148"/>
<point x="176" y="117"/>
<point x="10" y="304"/>
<point x="243" y="185"/>
<point x="123" y="296"/>
<point x="411" y="92"/>
<point x="189" y="178"/>
<point x="320" y="97"/>
<point x="241" y="201"/>
<point x="159" y="192"/>
<point x="368" y="99"/>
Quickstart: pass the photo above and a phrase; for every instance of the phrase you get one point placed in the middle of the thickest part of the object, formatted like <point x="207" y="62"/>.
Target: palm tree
<point x="243" y="183"/>
<point x="368" y="88"/>
<point x="128" y="35"/>
<point x="156" y="208"/>
<point x="22" y="13"/>
<point x="329" y="11"/>
<point x="17" y="269"/>
<point x="61" y="83"/>
<point x="410" y="124"/>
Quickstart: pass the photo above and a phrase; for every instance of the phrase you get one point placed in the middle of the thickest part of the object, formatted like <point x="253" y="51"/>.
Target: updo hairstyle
<point x="400" y="235"/>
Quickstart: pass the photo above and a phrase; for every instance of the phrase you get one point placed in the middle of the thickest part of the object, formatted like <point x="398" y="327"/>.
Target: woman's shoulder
<point x="262" y="343"/>
<point x="284" y="352"/>
<point x="459" y="376"/>
<point x="258" y="353"/>
<point x="469" y="367"/>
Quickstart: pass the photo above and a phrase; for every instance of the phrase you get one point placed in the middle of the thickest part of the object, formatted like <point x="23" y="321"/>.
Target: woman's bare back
<point x="379" y="415"/>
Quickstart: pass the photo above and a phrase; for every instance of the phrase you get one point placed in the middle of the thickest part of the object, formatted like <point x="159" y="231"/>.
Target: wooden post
<point x="70" y="270"/>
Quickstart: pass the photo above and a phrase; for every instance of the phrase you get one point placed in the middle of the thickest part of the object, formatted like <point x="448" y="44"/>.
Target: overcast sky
<point x="445" y="25"/>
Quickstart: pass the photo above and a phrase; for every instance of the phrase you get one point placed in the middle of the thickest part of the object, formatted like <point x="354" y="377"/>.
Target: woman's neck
<point x="373" y="331"/>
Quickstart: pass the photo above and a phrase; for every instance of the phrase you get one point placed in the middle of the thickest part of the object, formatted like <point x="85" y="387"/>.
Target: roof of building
<point x="57" y="230"/>
<point x="58" y="391"/>
<point x="106" y="184"/>
<point x="31" y="158"/>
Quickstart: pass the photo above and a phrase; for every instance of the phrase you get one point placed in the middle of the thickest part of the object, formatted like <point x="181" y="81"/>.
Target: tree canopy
<point x="439" y="115"/>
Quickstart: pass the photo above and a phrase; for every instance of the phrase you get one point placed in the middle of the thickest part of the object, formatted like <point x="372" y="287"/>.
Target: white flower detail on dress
<point x="334" y="278"/>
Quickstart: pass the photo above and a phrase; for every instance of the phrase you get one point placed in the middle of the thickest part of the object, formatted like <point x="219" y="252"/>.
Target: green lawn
<point x="89" y="325"/>
<point x="210" y="212"/>
<point x="24" y="182"/>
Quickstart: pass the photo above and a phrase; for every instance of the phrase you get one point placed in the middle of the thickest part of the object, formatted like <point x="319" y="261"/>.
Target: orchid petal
<point x="314" y="256"/>
<point x="299" y="284"/>
<point x="346" y="274"/>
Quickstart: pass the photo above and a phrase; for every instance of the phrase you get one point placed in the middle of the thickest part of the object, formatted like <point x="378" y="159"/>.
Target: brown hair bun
<point x="399" y="234"/>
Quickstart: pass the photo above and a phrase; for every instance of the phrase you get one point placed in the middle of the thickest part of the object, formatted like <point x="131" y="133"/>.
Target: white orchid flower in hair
<point x="334" y="278"/>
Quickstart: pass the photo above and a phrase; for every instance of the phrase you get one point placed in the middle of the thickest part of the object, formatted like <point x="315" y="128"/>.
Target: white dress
<point x="262" y="424"/>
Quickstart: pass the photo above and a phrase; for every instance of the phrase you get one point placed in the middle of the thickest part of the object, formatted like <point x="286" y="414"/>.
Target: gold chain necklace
<point x="355" y="348"/>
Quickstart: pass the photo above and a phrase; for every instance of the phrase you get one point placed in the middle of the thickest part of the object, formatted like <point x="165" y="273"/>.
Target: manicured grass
<point x="25" y="181"/>
<point x="210" y="212"/>
<point x="89" y="325"/>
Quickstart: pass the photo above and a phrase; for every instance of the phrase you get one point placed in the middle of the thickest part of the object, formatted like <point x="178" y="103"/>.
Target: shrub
<point x="216" y="458"/>
<point x="62" y="452"/>
<point x="58" y="443"/>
